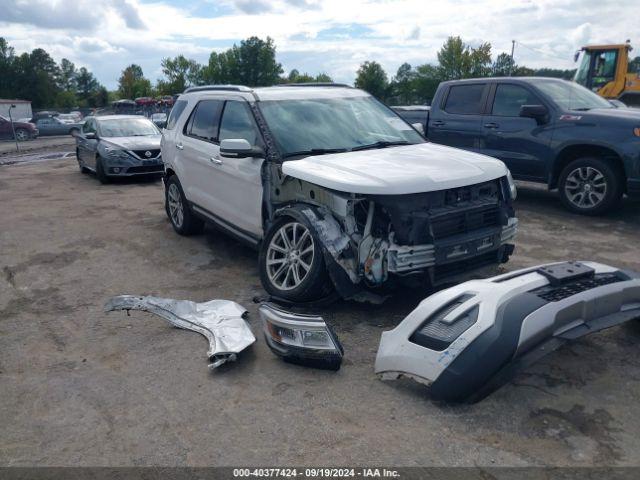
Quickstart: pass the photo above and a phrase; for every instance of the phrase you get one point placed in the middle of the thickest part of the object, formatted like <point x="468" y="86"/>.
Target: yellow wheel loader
<point x="604" y="70"/>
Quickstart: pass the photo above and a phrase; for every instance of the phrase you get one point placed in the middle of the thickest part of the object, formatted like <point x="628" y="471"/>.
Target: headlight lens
<point x="302" y="339"/>
<point x="512" y="186"/>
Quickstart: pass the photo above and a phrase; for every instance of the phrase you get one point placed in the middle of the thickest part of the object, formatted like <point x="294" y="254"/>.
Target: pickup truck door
<point x="457" y="121"/>
<point x="521" y="143"/>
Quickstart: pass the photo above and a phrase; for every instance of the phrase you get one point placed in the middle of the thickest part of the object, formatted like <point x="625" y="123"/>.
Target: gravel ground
<point x="81" y="387"/>
<point x="41" y="145"/>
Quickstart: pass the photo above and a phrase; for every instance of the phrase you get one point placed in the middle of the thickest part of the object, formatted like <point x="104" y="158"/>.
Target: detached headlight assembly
<point x="117" y="154"/>
<point x="301" y="339"/>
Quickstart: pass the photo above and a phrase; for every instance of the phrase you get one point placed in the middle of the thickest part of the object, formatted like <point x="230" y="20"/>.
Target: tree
<point x="7" y="73"/>
<point x="404" y="83"/>
<point x="181" y="73"/>
<point x="426" y="82"/>
<point x="86" y="87"/>
<point x="67" y="77"/>
<point x="503" y="66"/>
<point x="458" y="60"/>
<point x="634" y="65"/>
<point x="296" y="77"/>
<point x="132" y="83"/>
<point x="372" y="78"/>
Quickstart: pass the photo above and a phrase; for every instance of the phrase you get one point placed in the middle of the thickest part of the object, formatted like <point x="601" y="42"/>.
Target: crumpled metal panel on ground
<point x="220" y="321"/>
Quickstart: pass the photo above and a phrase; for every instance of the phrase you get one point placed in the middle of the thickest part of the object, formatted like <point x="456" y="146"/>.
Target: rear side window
<point x="176" y="111"/>
<point x="509" y="99"/>
<point x="238" y="122"/>
<point x="465" y="99"/>
<point x="204" y="121"/>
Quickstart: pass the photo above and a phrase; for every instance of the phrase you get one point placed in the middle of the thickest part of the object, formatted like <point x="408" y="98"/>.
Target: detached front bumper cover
<point x="301" y="339"/>
<point x="468" y="340"/>
<point x="220" y="321"/>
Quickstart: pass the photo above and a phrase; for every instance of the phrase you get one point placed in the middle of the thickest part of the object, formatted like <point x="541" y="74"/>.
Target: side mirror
<point x="419" y="127"/>
<point x="538" y="112"/>
<point x="90" y="136"/>
<point x="239" y="148"/>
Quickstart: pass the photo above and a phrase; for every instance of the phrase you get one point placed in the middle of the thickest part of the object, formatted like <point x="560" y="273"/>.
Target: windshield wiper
<point x="315" y="151"/>
<point x="381" y="144"/>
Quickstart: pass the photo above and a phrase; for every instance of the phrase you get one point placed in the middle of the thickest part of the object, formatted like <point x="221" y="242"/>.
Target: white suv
<point x="337" y="191"/>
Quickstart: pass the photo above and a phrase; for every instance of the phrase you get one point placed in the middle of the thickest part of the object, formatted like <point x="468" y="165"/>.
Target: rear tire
<point x="291" y="262"/>
<point x="182" y="219"/>
<point x="590" y="186"/>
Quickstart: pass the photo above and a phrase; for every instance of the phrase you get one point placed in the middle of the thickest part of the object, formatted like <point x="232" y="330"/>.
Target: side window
<point x="465" y="99"/>
<point x="204" y="120"/>
<point x="89" y="126"/>
<point x="176" y="111"/>
<point x="238" y="122"/>
<point x="509" y="99"/>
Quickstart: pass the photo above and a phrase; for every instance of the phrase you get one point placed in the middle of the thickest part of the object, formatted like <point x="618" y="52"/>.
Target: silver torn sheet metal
<point x="220" y="321"/>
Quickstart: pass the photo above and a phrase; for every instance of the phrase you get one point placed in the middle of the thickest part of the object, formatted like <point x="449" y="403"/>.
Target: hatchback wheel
<point x="22" y="135"/>
<point x="590" y="186"/>
<point x="291" y="262"/>
<point x="183" y="220"/>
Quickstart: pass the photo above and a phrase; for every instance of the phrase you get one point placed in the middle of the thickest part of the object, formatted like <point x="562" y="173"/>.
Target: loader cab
<point x="602" y="68"/>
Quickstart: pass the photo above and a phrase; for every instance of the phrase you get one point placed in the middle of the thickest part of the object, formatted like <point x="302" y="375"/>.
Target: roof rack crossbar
<point x="228" y="88"/>
<point x="314" y="84"/>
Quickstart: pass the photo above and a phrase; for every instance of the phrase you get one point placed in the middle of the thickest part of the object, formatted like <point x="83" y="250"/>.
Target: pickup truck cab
<point x="545" y="130"/>
<point x="338" y="193"/>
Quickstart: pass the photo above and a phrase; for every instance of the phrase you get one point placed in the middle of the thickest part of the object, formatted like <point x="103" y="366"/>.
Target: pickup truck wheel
<point x="183" y="220"/>
<point x="589" y="186"/>
<point x="291" y="262"/>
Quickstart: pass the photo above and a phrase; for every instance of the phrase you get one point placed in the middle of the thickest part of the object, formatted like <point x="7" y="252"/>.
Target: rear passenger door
<point x="522" y="144"/>
<point x="457" y="122"/>
<point x="199" y="152"/>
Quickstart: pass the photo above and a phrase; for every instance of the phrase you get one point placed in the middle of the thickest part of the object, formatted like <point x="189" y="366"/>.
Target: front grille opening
<point x="461" y="222"/>
<point x="445" y="272"/>
<point x="142" y="153"/>
<point x="555" y="294"/>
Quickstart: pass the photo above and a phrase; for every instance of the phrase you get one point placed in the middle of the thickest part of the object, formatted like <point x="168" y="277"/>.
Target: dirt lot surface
<point x="41" y="145"/>
<point x="81" y="387"/>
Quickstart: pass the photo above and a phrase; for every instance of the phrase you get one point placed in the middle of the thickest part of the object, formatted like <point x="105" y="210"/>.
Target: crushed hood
<point x="396" y="170"/>
<point x="151" y="142"/>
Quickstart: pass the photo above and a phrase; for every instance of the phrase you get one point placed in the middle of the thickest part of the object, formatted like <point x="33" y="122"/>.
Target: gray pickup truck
<point x="545" y="130"/>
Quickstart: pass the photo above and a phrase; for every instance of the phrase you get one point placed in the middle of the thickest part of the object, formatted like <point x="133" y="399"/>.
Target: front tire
<point x="291" y="262"/>
<point x="590" y="186"/>
<point x="100" y="173"/>
<point x="183" y="220"/>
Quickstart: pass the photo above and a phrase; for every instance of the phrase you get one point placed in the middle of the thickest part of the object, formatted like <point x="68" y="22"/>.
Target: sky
<point x="313" y="36"/>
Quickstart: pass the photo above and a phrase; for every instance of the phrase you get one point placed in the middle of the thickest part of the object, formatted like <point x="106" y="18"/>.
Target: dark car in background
<point x="545" y="130"/>
<point x="56" y="126"/>
<point x="414" y="114"/>
<point x="23" y="130"/>
<point x="119" y="146"/>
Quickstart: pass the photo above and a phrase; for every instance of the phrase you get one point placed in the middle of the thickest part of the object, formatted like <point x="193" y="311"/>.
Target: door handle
<point x="491" y="125"/>
<point x="179" y="146"/>
<point x="215" y="161"/>
<point x="437" y="123"/>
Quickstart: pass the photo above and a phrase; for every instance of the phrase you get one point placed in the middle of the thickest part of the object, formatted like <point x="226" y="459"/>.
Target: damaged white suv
<point x="338" y="192"/>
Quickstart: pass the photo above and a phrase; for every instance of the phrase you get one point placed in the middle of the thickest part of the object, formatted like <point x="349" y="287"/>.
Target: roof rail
<point x="228" y="88"/>
<point x="314" y="84"/>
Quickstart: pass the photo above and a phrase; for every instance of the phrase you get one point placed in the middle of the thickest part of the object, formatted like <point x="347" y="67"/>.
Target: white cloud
<point x="331" y="36"/>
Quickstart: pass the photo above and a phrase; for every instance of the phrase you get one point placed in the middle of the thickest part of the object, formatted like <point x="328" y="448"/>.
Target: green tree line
<point x="37" y="77"/>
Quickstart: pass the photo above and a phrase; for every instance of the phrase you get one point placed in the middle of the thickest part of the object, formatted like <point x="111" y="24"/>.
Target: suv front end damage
<point x="425" y="239"/>
<point x="466" y="341"/>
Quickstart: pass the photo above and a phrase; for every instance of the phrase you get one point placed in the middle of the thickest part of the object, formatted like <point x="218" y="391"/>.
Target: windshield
<point x="127" y="127"/>
<point x="572" y="96"/>
<point x="322" y="125"/>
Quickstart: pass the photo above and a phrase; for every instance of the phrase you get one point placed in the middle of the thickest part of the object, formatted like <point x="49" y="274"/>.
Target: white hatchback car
<point x="335" y="189"/>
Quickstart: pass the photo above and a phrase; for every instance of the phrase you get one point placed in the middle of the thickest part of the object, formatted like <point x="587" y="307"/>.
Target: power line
<point x="540" y="52"/>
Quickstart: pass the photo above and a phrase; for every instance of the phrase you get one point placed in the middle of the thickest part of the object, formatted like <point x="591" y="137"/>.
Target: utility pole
<point x="13" y="129"/>
<point x="513" y="46"/>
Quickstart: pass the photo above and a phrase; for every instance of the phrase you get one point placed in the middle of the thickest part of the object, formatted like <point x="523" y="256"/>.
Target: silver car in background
<point x="119" y="146"/>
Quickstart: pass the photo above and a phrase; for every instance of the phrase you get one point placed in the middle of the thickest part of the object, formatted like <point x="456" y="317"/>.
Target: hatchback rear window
<point x="465" y="99"/>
